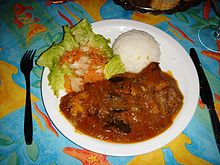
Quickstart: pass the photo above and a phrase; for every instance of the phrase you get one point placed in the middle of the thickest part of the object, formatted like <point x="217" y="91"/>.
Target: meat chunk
<point x="127" y="108"/>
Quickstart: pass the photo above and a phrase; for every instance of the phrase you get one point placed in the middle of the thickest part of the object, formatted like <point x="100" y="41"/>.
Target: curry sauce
<point x="126" y="108"/>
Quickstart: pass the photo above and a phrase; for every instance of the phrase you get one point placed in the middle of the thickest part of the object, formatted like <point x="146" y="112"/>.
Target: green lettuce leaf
<point x="100" y="43"/>
<point x="86" y="37"/>
<point x="56" y="78"/>
<point x="52" y="55"/>
<point x="82" y="32"/>
<point x="113" y="67"/>
<point x="74" y="38"/>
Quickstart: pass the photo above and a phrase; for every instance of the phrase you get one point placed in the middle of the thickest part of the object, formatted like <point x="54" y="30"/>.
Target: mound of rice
<point x="137" y="50"/>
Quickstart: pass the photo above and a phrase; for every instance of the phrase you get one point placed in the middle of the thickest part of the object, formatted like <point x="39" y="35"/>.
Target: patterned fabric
<point x="36" y="25"/>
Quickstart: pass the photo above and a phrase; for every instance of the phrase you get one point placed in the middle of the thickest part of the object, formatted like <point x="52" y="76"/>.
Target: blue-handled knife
<point x="206" y="96"/>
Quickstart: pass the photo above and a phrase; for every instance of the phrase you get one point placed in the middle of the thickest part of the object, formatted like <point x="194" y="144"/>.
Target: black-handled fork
<point x="26" y="65"/>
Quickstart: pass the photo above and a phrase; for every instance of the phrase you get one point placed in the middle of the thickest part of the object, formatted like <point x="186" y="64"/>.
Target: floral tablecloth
<point x="36" y="24"/>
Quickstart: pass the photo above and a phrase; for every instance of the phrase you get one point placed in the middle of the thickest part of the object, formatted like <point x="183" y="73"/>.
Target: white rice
<point x="137" y="50"/>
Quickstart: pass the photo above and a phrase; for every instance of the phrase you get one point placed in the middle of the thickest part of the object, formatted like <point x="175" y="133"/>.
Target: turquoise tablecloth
<point x="36" y="25"/>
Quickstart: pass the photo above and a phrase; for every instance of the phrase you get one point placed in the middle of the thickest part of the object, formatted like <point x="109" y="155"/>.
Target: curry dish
<point x="126" y="108"/>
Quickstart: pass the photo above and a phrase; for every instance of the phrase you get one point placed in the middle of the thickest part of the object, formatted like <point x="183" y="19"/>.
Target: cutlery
<point x="26" y="66"/>
<point x="206" y="96"/>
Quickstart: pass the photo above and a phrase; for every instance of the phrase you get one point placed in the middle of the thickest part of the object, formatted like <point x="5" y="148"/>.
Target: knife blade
<point x="206" y="96"/>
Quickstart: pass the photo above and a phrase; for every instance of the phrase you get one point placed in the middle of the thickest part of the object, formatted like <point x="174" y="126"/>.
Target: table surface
<point x="36" y="25"/>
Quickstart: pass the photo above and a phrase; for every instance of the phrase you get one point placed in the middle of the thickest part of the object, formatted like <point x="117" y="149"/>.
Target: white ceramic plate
<point x="173" y="58"/>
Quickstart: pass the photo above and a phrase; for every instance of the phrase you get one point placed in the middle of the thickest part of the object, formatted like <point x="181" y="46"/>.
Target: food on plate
<point x="80" y="57"/>
<point x="137" y="49"/>
<point x="117" y="94"/>
<point x="129" y="107"/>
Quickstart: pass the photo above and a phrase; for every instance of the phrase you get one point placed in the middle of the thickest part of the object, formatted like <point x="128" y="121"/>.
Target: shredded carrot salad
<point x="87" y="66"/>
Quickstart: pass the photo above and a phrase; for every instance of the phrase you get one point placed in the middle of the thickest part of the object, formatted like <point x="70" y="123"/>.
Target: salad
<point x="81" y="57"/>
